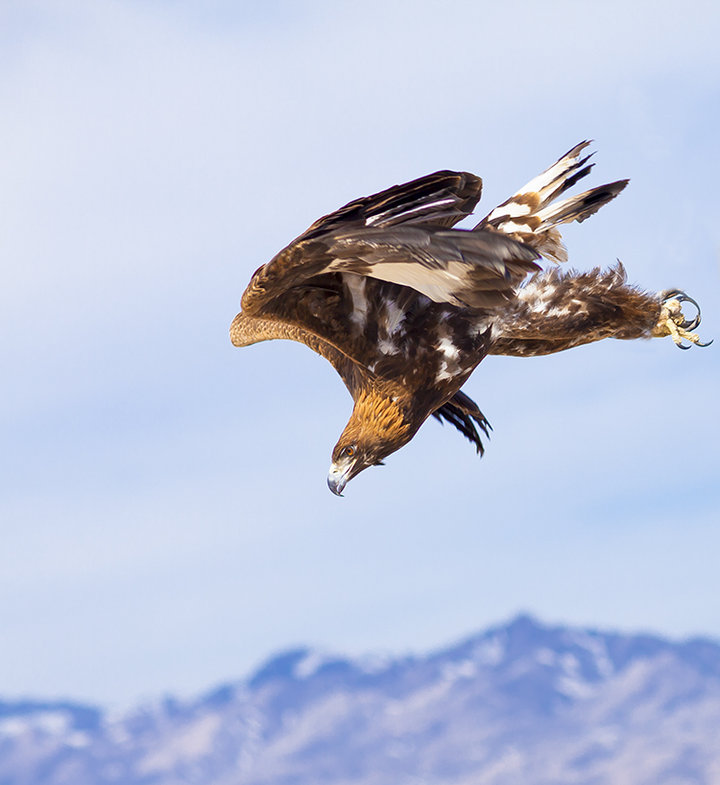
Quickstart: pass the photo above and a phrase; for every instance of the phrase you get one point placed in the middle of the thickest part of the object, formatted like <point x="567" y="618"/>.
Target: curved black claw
<point x="681" y="297"/>
<point x="682" y="330"/>
<point x="693" y="323"/>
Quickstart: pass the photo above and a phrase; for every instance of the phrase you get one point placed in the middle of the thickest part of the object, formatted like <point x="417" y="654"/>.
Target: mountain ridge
<point x="523" y="701"/>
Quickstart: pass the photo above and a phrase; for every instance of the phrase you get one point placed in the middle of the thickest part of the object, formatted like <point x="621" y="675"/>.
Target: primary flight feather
<point x="405" y="306"/>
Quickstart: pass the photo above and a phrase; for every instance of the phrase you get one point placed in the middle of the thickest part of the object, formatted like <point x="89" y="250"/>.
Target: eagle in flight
<point x="405" y="306"/>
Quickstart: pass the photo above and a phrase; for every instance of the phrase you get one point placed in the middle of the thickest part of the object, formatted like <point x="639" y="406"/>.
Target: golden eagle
<point x="404" y="305"/>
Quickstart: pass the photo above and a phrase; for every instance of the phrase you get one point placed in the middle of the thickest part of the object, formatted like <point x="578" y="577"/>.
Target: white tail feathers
<point x="531" y="214"/>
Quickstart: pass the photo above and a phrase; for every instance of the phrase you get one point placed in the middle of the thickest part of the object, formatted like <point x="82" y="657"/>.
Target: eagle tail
<point x="462" y="412"/>
<point x="578" y="208"/>
<point x="532" y="214"/>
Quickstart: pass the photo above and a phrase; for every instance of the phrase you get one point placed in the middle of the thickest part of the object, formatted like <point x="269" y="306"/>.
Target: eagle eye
<point x="348" y="451"/>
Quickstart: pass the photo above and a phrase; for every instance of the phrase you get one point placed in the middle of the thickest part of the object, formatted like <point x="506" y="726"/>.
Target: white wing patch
<point x="510" y="210"/>
<point x="450" y="364"/>
<point x="448" y="348"/>
<point x="439" y="285"/>
<point x="355" y="285"/>
<point x="386" y="346"/>
<point x="548" y="180"/>
<point x="394" y="316"/>
<point x="509" y="227"/>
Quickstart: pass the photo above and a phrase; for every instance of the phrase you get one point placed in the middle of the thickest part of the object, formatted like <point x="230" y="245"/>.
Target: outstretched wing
<point x="402" y="236"/>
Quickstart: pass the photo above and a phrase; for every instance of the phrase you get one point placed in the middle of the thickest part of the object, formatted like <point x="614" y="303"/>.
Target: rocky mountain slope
<point x="521" y="703"/>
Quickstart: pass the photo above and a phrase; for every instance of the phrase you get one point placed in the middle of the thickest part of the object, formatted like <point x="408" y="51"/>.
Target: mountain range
<point x="523" y="703"/>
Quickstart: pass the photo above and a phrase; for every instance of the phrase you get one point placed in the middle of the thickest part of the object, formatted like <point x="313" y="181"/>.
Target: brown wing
<point x="247" y="330"/>
<point x="401" y="235"/>
<point x="441" y="200"/>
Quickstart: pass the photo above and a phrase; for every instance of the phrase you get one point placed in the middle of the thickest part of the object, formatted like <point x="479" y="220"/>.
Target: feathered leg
<point x="556" y="311"/>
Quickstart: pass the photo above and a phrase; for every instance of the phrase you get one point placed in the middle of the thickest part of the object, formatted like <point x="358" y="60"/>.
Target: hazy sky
<point x="164" y="518"/>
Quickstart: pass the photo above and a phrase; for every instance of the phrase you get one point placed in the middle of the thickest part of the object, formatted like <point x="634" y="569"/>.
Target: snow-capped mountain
<point x="522" y="703"/>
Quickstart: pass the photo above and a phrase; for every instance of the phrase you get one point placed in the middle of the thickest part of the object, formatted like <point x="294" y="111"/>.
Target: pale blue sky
<point x="165" y="521"/>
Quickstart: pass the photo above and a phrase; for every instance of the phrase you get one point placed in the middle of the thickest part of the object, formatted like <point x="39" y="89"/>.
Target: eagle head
<point x="378" y="426"/>
<point x="349" y="460"/>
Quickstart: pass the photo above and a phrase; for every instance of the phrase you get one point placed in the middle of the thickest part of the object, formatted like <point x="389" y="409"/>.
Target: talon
<point x="689" y="325"/>
<point x="669" y="294"/>
<point x="673" y="322"/>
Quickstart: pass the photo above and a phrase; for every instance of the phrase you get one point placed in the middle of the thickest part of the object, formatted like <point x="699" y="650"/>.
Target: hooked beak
<point x="338" y="477"/>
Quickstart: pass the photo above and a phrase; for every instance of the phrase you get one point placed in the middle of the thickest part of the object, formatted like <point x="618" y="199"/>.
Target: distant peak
<point x="525" y="620"/>
<point x="281" y="666"/>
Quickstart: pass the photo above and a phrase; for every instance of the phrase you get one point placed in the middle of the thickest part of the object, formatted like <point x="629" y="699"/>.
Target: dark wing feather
<point x="578" y="208"/>
<point x="462" y="412"/>
<point x="440" y="199"/>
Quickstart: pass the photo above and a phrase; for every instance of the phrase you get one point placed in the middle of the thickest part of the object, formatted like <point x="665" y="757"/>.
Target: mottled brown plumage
<point x="404" y="305"/>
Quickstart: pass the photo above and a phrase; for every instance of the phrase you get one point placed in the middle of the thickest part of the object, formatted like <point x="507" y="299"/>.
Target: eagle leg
<point x="674" y="323"/>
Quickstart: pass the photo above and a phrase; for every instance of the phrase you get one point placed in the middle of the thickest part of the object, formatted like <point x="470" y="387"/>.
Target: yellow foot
<point x="672" y="321"/>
